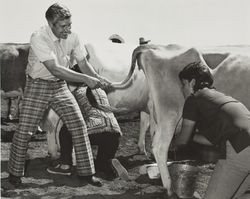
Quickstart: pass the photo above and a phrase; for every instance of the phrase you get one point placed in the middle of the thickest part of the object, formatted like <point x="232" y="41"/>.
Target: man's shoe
<point x="119" y="169"/>
<point x="91" y="180"/>
<point x="15" y="180"/>
<point x="58" y="169"/>
<point x="10" y="183"/>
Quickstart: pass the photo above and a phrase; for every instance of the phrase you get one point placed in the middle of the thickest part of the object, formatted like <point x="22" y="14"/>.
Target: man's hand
<point x="86" y="68"/>
<point x="105" y="83"/>
<point x="93" y="83"/>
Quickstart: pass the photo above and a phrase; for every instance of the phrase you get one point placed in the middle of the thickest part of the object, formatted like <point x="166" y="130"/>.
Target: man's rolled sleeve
<point x="79" y="51"/>
<point x="41" y="49"/>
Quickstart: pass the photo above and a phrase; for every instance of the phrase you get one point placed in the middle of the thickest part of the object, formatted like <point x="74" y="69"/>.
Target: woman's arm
<point x="186" y="132"/>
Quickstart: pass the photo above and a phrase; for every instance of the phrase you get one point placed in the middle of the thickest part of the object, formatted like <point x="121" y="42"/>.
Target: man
<point x="53" y="50"/>
<point x="103" y="131"/>
<point x="222" y="121"/>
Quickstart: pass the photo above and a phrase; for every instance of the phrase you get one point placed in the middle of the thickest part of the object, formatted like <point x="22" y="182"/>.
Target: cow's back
<point x="111" y="60"/>
<point x="232" y="77"/>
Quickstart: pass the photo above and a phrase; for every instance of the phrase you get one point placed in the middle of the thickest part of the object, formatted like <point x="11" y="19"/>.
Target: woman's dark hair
<point x="200" y="73"/>
<point x="57" y="12"/>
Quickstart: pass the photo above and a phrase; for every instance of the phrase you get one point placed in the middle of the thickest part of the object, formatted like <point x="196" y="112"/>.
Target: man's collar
<point x="51" y="34"/>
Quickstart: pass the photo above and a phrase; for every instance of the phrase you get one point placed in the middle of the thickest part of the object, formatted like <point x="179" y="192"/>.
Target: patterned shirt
<point x="97" y="120"/>
<point x="46" y="46"/>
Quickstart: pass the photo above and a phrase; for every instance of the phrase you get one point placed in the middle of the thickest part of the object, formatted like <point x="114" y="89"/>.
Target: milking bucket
<point x="183" y="179"/>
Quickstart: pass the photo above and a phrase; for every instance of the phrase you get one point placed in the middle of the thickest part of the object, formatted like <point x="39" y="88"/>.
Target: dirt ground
<point x="40" y="184"/>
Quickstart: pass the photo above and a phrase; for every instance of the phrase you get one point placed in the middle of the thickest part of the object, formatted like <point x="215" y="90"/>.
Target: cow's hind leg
<point x="160" y="145"/>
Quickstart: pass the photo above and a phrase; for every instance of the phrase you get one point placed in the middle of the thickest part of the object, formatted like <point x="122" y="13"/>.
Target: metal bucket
<point x="183" y="179"/>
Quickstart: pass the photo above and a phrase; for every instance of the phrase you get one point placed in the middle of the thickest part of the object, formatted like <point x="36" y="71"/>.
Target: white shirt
<point x="46" y="46"/>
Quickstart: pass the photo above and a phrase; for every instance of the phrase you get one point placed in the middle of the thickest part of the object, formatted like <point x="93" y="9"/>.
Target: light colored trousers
<point x="231" y="177"/>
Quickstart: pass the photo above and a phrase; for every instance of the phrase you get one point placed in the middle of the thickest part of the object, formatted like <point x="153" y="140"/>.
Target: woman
<point x="221" y="121"/>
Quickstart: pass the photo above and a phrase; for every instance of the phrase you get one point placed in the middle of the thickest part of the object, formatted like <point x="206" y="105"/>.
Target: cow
<point x="13" y="61"/>
<point x="161" y="66"/>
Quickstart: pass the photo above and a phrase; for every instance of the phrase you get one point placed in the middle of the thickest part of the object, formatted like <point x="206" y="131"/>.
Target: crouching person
<point x="221" y="121"/>
<point x="103" y="131"/>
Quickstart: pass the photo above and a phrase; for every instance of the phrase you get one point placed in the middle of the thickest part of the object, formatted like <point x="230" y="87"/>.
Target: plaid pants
<point x="38" y="96"/>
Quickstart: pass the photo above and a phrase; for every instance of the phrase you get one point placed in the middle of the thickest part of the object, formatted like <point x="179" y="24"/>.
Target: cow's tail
<point x="93" y="102"/>
<point x="128" y="80"/>
<point x="137" y="52"/>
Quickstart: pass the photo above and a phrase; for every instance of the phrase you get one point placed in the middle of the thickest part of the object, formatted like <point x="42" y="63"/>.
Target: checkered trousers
<point x="38" y="96"/>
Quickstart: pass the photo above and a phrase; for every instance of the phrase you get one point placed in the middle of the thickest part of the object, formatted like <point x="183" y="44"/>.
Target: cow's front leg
<point x="52" y="124"/>
<point x="52" y="145"/>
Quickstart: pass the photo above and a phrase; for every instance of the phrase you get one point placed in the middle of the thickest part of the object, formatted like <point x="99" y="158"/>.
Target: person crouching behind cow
<point x="222" y="121"/>
<point x="53" y="49"/>
<point x="103" y="131"/>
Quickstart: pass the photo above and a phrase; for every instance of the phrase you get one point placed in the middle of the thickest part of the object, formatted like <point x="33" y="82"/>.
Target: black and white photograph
<point x="125" y="99"/>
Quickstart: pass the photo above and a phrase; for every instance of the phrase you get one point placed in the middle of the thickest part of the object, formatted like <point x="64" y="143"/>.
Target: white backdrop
<point x="186" y="22"/>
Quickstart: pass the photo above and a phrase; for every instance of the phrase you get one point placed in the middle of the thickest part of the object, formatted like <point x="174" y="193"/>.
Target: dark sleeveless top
<point x="219" y="118"/>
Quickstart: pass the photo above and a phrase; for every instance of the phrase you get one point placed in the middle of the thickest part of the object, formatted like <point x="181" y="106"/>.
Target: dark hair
<point x="200" y="73"/>
<point x="57" y="12"/>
